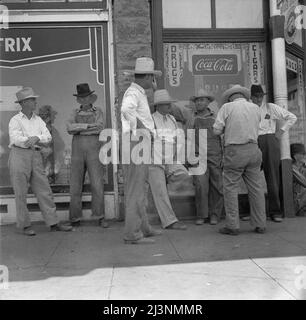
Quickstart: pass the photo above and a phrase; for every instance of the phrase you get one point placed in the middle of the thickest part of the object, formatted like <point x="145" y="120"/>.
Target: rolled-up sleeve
<point x="17" y="137"/>
<point x="128" y="110"/>
<point x="220" y="121"/>
<point x="45" y="136"/>
<point x="283" y="114"/>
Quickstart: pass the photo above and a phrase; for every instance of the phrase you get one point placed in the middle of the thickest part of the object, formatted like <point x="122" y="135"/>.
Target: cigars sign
<point x="215" y="64"/>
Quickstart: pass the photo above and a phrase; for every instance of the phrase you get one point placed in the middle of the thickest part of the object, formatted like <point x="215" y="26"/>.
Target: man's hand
<point x="31" y="142"/>
<point x="279" y="133"/>
<point x="92" y="126"/>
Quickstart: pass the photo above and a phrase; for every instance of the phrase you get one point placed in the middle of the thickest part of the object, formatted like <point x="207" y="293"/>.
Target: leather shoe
<point x="140" y="241"/>
<point x="231" y="232"/>
<point x="153" y="233"/>
<point x="199" y="222"/>
<point x="60" y="227"/>
<point x="76" y="223"/>
<point x="277" y="219"/>
<point x="246" y="218"/>
<point x="103" y="223"/>
<point x="213" y="220"/>
<point x="177" y="226"/>
<point x="29" y="232"/>
<point x="260" y="230"/>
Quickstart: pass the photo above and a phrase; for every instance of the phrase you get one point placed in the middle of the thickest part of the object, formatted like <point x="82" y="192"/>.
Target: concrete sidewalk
<point x="200" y="263"/>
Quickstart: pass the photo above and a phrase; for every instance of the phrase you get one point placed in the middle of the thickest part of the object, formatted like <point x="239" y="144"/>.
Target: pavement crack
<point x="172" y="244"/>
<point x="111" y="283"/>
<point x="274" y="279"/>
<point x="52" y="253"/>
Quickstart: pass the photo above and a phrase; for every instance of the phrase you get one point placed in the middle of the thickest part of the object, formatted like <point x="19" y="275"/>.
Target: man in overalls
<point x="85" y="124"/>
<point x="209" y="195"/>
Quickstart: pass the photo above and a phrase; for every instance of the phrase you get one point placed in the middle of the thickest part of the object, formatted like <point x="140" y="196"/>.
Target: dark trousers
<point x="209" y="189"/>
<point x="85" y="156"/>
<point x="269" y="146"/>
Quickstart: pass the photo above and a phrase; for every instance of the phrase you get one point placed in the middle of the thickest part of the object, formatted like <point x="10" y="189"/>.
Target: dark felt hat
<point x="297" y="148"/>
<point x="83" y="90"/>
<point x="256" y="90"/>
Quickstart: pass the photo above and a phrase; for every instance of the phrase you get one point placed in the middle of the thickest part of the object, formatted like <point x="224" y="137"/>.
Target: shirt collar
<point x="93" y="108"/>
<point x="210" y="112"/>
<point x="22" y="115"/>
<point x="240" y="99"/>
<point x="138" y="87"/>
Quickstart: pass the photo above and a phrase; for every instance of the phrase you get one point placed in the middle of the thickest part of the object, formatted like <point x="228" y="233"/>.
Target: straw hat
<point x="25" y="93"/>
<point x="235" y="89"/>
<point x="162" y="97"/>
<point x="144" y="65"/>
<point x="203" y="94"/>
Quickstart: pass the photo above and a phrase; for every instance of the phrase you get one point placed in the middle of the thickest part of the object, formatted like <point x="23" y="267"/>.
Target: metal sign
<point x="214" y="64"/>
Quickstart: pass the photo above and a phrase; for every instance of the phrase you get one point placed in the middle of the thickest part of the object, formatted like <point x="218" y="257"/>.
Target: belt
<point x="36" y="148"/>
<point x="241" y="144"/>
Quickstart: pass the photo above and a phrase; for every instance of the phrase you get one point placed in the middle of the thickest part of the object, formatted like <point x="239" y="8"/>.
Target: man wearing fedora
<point x="209" y="194"/>
<point x="239" y="120"/>
<point x="28" y="134"/>
<point x="85" y="124"/>
<point x="165" y="167"/>
<point x="268" y="141"/>
<point x="135" y="114"/>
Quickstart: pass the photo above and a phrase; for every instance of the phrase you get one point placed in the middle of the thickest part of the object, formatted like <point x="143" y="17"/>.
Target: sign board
<point x="213" y="64"/>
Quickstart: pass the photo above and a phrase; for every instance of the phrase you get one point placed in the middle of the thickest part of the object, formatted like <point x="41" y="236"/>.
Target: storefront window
<point x="213" y="66"/>
<point x="296" y="98"/>
<point x="187" y="14"/>
<point x="239" y="14"/>
<point x="52" y="61"/>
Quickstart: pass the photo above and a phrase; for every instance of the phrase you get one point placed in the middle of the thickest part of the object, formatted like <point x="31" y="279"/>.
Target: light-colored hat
<point x="25" y="93"/>
<point x="162" y="97"/>
<point x="203" y="94"/>
<point x="235" y="89"/>
<point x="144" y="65"/>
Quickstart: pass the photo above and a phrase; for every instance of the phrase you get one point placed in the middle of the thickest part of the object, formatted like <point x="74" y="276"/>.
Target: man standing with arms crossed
<point x="135" y="114"/>
<point x="239" y="120"/>
<point x="268" y="141"/>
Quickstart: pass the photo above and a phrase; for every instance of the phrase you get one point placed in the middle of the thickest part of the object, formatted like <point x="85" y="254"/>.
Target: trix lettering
<point x="16" y="44"/>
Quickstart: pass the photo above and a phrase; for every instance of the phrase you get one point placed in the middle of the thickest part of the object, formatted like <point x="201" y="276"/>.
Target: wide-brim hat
<point x="144" y="65"/>
<point x="256" y="89"/>
<point x="162" y="97"/>
<point x="83" y="90"/>
<point x="25" y="93"/>
<point x="202" y="94"/>
<point x="235" y="89"/>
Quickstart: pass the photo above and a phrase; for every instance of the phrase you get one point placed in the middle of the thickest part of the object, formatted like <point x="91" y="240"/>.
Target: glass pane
<point x="296" y="98"/>
<point x="52" y="61"/>
<point x="13" y="1"/>
<point x="186" y="14"/>
<point x="239" y="14"/>
<point x="214" y="67"/>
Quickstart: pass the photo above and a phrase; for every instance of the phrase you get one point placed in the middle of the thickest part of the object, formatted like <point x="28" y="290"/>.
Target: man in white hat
<point x="28" y="134"/>
<point x="135" y="114"/>
<point x="209" y="194"/>
<point x="165" y="167"/>
<point x="239" y="120"/>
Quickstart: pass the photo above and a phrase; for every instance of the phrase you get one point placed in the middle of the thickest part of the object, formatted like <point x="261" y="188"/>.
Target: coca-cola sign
<point x="212" y="64"/>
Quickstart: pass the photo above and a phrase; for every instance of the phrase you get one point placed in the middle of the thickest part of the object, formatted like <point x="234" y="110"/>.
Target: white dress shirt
<point x="135" y="106"/>
<point x="239" y="121"/>
<point x="269" y="113"/>
<point x="21" y="128"/>
<point x="167" y="135"/>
